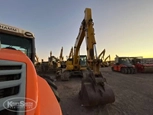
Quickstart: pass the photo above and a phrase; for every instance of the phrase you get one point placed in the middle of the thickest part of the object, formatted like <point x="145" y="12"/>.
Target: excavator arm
<point x="108" y="57"/>
<point x="93" y="60"/>
<point x="71" y="53"/>
<point x="77" y="45"/>
<point x="61" y="54"/>
<point x="87" y="31"/>
<point x="103" y="54"/>
<point x="105" y="63"/>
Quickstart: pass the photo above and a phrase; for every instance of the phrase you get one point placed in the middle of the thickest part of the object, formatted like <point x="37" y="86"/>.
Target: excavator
<point x="48" y="67"/>
<point x="62" y="62"/>
<point x="94" y="89"/>
<point x="22" y="90"/>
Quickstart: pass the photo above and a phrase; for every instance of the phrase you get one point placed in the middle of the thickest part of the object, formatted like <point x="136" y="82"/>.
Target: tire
<point x="135" y="70"/>
<point x="122" y="70"/>
<point x="128" y="71"/>
<point x="132" y="70"/>
<point x="125" y="70"/>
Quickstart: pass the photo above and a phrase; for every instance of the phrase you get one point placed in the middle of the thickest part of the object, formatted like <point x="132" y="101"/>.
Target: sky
<point x="122" y="27"/>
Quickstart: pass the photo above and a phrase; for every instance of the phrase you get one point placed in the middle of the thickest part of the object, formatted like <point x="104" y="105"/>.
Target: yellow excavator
<point x="48" y="67"/>
<point x="61" y="58"/>
<point x="94" y="89"/>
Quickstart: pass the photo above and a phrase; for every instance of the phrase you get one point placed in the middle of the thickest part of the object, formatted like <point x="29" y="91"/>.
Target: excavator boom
<point x="108" y="57"/>
<point x="71" y="53"/>
<point x="61" y="54"/>
<point x="102" y="53"/>
<point x="93" y="81"/>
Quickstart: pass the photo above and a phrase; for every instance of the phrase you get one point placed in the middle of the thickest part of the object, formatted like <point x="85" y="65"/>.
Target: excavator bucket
<point x="94" y="91"/>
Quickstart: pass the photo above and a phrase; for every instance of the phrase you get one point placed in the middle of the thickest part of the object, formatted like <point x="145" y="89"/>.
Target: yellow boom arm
<point x="86" y="31"/>
<point x="61" y="54"/>
<point x="71" y="53"/>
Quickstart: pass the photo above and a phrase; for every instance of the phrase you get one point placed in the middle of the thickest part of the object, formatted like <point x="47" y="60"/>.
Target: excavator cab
<point x="83" y="62"/>
<point x="73" y="71"/>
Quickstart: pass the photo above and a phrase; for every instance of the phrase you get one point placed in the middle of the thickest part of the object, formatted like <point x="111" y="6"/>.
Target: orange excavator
<point x="94" y="89"/>
<point x="22" y="91"/>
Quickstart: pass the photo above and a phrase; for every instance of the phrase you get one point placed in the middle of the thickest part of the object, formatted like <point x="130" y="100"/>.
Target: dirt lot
<point x="134" y="95"/>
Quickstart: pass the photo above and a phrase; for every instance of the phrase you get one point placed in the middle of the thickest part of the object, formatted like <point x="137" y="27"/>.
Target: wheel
<point x="135" y="70"/>
<point x="125" y="70"/>
<point x="122" y="70"/>
<point x="132" y="70"/>
<point x="128" y="71"/>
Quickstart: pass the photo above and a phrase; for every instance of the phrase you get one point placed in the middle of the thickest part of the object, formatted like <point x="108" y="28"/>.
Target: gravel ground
<point x="133" y="92"/>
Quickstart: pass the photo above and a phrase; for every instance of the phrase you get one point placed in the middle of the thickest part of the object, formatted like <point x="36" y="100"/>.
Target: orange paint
<point x="37" y="88"/>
